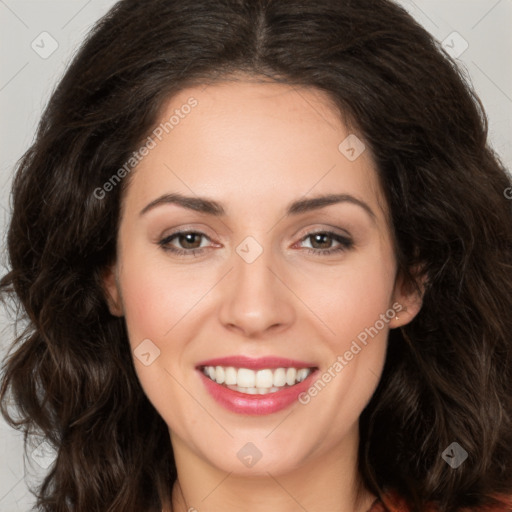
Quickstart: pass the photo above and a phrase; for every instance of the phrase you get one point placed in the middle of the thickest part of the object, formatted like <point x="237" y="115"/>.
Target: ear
<point x="110" y="284"/>
<point x="407" y="298"/>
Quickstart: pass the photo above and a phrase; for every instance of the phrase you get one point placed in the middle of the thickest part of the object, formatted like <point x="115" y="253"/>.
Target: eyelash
<point x="345" y="243"/>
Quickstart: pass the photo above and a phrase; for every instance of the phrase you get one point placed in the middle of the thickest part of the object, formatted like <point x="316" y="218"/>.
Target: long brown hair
<point x="448" y="374"/>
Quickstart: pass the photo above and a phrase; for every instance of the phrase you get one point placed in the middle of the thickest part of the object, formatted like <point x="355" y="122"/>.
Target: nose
<point x="256" y="298"/>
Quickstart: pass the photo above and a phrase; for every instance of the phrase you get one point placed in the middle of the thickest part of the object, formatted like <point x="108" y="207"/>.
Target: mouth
<point x="256" y="386"/>
<point x="256" y="382"/>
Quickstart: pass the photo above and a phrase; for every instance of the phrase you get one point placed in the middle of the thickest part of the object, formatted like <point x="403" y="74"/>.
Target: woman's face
<point x="252" y="280"/>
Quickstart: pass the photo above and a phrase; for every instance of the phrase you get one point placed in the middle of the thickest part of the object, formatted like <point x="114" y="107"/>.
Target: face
<point x="262" y="276"/>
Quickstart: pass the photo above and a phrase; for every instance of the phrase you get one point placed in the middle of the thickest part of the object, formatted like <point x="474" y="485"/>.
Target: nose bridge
<point x="252" y="269"/>
<point x="256" y="299"/>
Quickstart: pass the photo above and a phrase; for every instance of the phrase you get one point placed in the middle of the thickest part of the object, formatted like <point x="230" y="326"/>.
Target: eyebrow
<point x="211" y="207"/>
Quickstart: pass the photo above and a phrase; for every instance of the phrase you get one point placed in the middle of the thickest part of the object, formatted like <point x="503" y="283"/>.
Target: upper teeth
<point x="246" y="378"/>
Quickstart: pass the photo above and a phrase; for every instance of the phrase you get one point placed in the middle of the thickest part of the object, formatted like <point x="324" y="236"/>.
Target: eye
<point x="187" y="239"/>
<point x="190" y="242"/>
<point x="324" y="239"/>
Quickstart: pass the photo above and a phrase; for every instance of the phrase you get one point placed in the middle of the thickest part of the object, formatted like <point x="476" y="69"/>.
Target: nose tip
<point x="253" y="327"/>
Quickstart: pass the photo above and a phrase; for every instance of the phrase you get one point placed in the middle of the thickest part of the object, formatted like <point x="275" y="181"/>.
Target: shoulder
<point x="391" y="501"/>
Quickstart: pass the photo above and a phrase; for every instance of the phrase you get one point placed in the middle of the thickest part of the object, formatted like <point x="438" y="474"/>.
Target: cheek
<point x="351" y="303"/>
<point x="158" y="303"/>
<point x="352" y="297"/>
<point x="156" y="298"/>
<point x="354" y="360"/>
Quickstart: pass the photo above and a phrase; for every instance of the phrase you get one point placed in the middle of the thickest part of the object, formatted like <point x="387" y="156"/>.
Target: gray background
<point x="28" y="74"/>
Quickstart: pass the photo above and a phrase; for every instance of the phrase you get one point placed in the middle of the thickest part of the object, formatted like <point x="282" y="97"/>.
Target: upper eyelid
<point x="324" y="225"/>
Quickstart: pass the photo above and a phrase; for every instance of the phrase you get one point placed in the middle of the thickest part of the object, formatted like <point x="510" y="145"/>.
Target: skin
<point x="256" y="147"/>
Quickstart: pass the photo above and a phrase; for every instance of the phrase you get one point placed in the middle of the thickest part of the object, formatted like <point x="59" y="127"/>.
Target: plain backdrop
<point x="38" y="39"/>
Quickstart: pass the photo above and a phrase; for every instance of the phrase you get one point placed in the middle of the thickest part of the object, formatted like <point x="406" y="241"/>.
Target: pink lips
<point x="259" y="363"/>
<point x="243" y="403"/>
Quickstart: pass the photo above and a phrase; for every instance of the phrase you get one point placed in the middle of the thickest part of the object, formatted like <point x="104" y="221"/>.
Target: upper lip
<point x="258" y="363"/>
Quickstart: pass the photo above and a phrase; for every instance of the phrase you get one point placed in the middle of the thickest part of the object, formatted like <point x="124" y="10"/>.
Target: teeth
<point x="230" y="376"/>
<point x="245" y="378"/>
<point x="264" y="378"/>
<point x="291" y="374"/>
<point x="279" y="379"/>
<point x="220" y="376"/>
<point x="254" y="391"/>
<point x="302" y="374"/>
<point x="256" y="382"/>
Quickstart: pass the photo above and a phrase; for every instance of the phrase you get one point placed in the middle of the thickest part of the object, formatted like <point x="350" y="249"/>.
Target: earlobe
<point x="112" y="292"/>
<point x="397" y="316"/>
<point x="407" y="300"/>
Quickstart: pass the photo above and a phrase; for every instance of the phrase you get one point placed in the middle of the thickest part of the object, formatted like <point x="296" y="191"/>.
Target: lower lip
<point x="242" y="403"/>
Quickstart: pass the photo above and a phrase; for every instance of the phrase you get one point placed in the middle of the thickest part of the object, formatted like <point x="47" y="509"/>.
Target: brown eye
<point x="189" y="242"/>
<point x="321" y="242"/>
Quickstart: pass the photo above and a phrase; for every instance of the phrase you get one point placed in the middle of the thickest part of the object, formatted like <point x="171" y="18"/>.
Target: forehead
<point x="246" y="142"/>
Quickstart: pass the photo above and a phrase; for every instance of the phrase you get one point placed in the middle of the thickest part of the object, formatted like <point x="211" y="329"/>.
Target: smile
<point x="251" y="382"/>
<point x="256" y="386"/>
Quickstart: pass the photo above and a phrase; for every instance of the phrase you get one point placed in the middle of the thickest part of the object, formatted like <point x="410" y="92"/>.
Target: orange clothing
<point x="392" y="502"/>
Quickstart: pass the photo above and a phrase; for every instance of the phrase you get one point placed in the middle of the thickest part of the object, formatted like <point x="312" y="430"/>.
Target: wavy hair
<point x="447" y="375"/>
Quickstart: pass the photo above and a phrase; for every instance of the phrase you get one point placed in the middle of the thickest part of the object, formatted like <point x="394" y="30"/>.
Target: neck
<point x="329" y="481"/>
